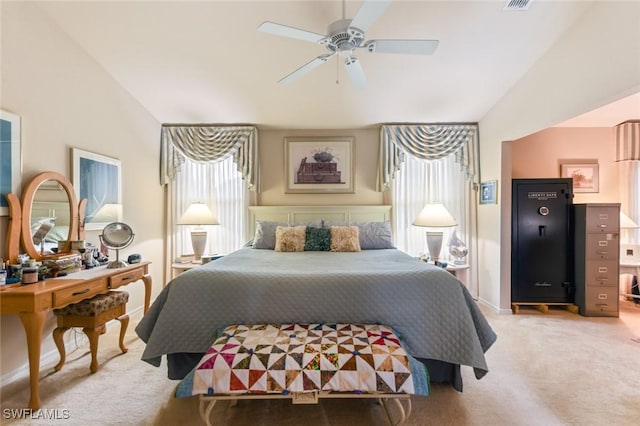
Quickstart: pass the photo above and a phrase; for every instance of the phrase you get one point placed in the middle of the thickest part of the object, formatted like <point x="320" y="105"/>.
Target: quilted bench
<point x="305" y="363"/>
<point x="92" y="315"/>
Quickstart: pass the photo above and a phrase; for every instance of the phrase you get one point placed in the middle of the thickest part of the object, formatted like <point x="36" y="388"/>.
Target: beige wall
<point x="595" y="63"/>
<point x="272" y="168"/>
<point x="65" y="99"/>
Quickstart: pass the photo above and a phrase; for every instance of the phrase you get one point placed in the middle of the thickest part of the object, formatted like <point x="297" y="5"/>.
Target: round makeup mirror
<point x="116" y="236"/>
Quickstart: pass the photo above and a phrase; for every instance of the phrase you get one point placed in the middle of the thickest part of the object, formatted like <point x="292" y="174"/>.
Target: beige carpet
<point x="545" y="369"/>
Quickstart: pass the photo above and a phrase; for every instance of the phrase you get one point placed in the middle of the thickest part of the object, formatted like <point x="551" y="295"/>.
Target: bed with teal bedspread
<point x="429" y="308"/>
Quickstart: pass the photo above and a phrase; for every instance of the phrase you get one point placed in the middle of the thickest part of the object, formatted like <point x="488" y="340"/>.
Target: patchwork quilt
<point x="287" y="358"/>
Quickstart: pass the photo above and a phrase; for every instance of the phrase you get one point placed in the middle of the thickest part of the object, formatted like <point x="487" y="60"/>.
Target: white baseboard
<point x="494" y="308"/>
<point x="52" y="357"/>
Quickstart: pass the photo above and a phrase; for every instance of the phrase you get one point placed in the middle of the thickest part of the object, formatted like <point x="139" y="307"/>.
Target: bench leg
<point x="58" y="338"/>
<point x="124" y="322"/>
<point x="93" y="334"/>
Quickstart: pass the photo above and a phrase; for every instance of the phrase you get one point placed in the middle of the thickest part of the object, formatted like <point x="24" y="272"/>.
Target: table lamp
<point x="198" y="214"/>
<point x="108" y="213"/>
<point x="626" y="222"/>
<point x="434" y="215"/>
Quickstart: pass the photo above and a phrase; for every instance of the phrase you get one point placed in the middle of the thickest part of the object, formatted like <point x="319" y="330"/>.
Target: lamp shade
<point x="435" y="215"/>
<point x="626" y="222"/>
<point x="198" y="214"/>
<point x="108" y="213"/>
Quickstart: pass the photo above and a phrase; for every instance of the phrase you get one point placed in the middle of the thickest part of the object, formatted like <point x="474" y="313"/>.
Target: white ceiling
<point x="205" y="61"/>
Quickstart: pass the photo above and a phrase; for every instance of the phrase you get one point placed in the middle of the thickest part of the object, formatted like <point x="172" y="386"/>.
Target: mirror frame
<point x="28" y="195"/>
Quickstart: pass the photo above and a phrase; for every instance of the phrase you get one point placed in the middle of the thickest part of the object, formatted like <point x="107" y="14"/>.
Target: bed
<point x="429" y="308"/>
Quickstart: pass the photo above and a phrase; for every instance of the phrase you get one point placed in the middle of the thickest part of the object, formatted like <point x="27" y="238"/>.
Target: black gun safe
<point x="541" y="242"/>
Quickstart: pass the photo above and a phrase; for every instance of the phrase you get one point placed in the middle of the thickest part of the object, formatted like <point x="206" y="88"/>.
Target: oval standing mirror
<point x="49" y="214"/>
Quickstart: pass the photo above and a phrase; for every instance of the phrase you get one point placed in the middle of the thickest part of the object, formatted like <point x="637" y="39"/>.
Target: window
<point x="220" y="186"/>
<point x="422" y="181"/>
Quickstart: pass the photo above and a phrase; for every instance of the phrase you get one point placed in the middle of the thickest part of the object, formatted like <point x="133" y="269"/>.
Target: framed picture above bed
<point x="323" y="165"/>
<point x="98" y="179"/>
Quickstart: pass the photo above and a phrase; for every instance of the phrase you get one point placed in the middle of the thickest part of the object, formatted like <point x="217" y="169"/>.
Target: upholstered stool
<point x="92" y="315"/>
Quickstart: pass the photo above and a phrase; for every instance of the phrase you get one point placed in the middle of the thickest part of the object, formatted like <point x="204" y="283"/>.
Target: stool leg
<point x="58" y="338"/>
<point x="124" y="322"/>
<point x="93" y="334"/>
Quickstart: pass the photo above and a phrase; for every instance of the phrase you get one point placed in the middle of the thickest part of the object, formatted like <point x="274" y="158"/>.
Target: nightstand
<point x="178" y="268"/>
<point x="461" y="272"/>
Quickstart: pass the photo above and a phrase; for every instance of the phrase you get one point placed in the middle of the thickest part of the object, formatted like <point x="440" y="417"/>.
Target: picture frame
<point x="319" y="165"/>
<point x="586" y="176"/>
<point x="98" y="179"/>
<point x="10" y="158"/>
<point x="489" y="192"/>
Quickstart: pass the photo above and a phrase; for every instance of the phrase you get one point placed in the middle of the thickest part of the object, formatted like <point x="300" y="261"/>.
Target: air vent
<point x="517" y="4"/>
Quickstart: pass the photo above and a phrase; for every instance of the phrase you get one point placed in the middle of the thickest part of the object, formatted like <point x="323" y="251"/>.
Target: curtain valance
<point x="209" y="143"/>
<point x="428" y="142"/>
<point x="628" y="141"/>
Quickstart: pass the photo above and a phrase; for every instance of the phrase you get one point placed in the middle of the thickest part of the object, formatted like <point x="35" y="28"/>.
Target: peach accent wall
<point x="541" y="154"/>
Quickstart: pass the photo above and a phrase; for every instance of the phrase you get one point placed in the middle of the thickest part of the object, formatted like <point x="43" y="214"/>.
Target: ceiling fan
<point x="344" y="37"/>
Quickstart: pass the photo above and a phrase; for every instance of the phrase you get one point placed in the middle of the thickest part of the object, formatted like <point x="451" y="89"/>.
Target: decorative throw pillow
<point x="345" y="238"/>
<point x="265" y="236"/>
<point x="290" y="238"/>
<point x="317" y="239"/>
<point x="375" y="235"/>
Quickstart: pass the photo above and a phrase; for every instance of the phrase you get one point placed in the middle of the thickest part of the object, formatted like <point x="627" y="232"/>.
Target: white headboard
<point x="305" y="214"/>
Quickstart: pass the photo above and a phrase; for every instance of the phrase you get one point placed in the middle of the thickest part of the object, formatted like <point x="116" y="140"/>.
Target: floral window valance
<point x="428" y="142"/>
<point x="209" y="143"/>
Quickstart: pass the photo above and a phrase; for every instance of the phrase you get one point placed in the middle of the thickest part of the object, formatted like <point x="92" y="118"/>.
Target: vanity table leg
<point x="147" y="292"/>
<point x="33" y="323"/>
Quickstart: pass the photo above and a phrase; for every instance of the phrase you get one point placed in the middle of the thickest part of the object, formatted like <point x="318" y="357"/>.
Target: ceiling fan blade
<point x="285" y="31"/>
<point x="369" y="13"/>
<point x="305" y="68"/>
<point x="355" y="73"/>
<point x="415" y="47"/>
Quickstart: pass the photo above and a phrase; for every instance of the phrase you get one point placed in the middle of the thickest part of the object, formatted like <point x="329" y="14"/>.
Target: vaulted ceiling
<point x="205" y="61"/>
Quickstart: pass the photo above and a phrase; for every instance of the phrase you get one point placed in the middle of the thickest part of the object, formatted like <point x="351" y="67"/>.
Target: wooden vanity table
<point x="52" y="195"/>
<point x="32" y="302"/>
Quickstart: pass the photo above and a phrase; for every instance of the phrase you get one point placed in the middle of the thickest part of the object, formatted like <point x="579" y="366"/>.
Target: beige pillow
<point x="290" y="238"/>
<point x="345" y="238"/>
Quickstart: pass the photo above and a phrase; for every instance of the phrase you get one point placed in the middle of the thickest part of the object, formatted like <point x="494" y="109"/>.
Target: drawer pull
<point x="78" y="293"/>
<point x="126" y="278"/>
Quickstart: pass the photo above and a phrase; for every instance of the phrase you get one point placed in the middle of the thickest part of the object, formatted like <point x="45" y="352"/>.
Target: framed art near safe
<point x="10" y="164"/>
<point x="585" y="176"/>
<point x="488" y="192"/>
<point x="98" y="179"/>
<point x="319" y="165"/>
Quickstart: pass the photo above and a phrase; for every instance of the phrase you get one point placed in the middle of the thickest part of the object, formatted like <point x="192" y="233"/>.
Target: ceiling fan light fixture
<point x="344" y="36"/>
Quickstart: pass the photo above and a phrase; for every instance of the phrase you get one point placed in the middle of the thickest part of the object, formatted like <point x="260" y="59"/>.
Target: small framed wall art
<point x="586" y="176"/>
<point x="489" y="192"/>
<point x="322" y="165"/>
